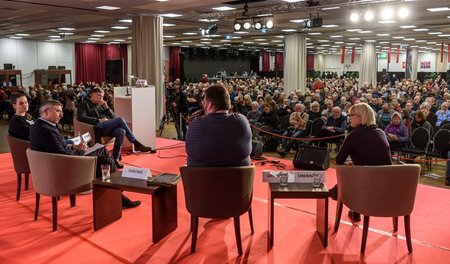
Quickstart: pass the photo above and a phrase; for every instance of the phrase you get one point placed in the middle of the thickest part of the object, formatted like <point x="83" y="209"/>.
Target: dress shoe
<point x="354" y="216"/>
<point x="119" y="165"/>
<point x="282" y="153"/>
<point x="447" y="181"/>
<point x="127" y="203"/>
<point x="138" y="146"/>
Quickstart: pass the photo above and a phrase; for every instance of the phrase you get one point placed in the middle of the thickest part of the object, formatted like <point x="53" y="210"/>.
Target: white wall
<point x="431" y="57"/>
<point x="333" y="63"/>
<point x="29" y="55"/>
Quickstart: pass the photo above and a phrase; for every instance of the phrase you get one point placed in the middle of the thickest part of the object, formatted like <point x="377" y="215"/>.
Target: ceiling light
<point x="336" y="36"/>
<point x="94" y="38"/>
<point x="297" y="20"/>
<point x="54" y="39"/>
<point x="126" y="21"/>
<point x="269" y="23"/>
<point x="170" y="15"/>
<point x="102" y="31"/>
<point x="330" y="26"/>
<point x="277" y="40"/>
<point x="161" y="0"/>
<point x="65" y="33"/>
<point x="387" y="13"/>
<point x="186" y="41"/>
<point x="241" y="32"/>
<point x="410" y="39"/>
<point x="168" y="25"/>
<point x="314" y="33"/>
<point x="289" y="30"/>
<point x="119" y="40"/>
<point x="408" y="26"/>
<point x="387" y="21"/>
<point x="66" y="29"/>
<point x="264" y="15"/>
<point x="331" y="8"/>
<point x="224" y="8"/>
<point x="444" y="35"/>
<point x="119" y="27"/>
<point x="208" y="20"/>
<point x="54" y="36"/>
<point x="90" y="41"/>
<point x="190" y="33"/>
<point x="383" y="35"/>
<point x="214" y="36"/>
<point x="209" y="30"/>
<point x="293" y="1"/>
<point x="368" y="15"/>
<point x="398" y="37"/>
<point x="354" y="38"/>
<point x="247" y="25"/>
<point x="438" y="9"/>
<point x="434" y="33"/>
<point x="354" y="17"/>
<point x="365" y="32"/>
<point x="403" y="12"/>
<point x="279" y="36"/>
<point x="258" y="25"/>
<point x="22" y="34"/>
<point x="16" y="37"/>
<point x="248" y="42"/>
<point x="97" y="36"/>
<point x="109" y="8"/>
<point x="421" y="40"/>
<point x="260" y="39"/>
<point x="354" y="30"/>
<point x="420" y="29"/>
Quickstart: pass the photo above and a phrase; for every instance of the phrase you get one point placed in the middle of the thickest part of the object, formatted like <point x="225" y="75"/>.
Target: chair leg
<point x="27" y="176"/>
<point x="395" y="222"/>
<point x="194" y="225"/>
<point x="36" y="209"/>
<point x="237" y="231"/>
<point x="55" y="212"/>
<point x="19" y="186"/>
<point x="73" y="200"/>
<point x="365" y="231"/>
<point x="408" y="233"/>
<point x="250" y="218"/>
<point x="337" y="220"/>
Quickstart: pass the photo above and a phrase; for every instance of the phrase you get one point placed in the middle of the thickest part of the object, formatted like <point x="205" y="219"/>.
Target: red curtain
<point x="343" y="55"/>
<point x="279" y="61"/>
<point x="90" y="60"/>
<point x="389" y="53"/>
<point x="310" y="62"/>
<point x="353" y="55"/>
<point x="266" y="62"/>
<point x="174" y="61"/>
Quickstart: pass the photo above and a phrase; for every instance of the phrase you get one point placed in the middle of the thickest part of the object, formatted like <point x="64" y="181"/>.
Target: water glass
<point x="317" y="180"/>
<point x="283" y="176"/>
<point x="106" y="169"/>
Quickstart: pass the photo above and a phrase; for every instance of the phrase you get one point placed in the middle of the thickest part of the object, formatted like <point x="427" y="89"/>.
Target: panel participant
<point x="218" y="138"/>
<point x="96" y="111"/>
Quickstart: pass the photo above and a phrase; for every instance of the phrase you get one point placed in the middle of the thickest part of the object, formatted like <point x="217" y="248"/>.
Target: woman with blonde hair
<point x="366" y="144"/>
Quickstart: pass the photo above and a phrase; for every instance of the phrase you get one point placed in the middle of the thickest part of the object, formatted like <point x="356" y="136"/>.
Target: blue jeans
<point x="117" y="128"/>
<point x="447" y="171"/>
<point x="286" y="144"/>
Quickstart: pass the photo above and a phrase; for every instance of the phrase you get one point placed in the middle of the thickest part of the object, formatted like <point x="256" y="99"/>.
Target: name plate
<point x="136" y="173"/>
<point x="294" y="176"/>
<point x="86" y="137"/>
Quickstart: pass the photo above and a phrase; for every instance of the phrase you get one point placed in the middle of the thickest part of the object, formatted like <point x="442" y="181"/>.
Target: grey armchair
<point x="18" y="149"/>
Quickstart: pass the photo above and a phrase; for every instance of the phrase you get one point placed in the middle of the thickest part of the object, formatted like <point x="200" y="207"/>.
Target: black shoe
<point x="127" y="203"/>
<point x="282" y="153"/>
<point x="447" y="181"/>
<point x="354" y="216"/>
<point x="138" y="146"/>
<point x="333" y="193"/>
<point x="118" y="164"/>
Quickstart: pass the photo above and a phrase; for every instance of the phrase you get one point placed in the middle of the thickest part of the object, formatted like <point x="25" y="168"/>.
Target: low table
<point x="301" y="191"/>
<point x="107" y="199"/>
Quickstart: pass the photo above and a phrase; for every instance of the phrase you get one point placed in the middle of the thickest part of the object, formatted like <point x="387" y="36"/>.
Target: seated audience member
<point x="384" y="115"/>
<point x="95" y="111"/>
<point x="218" y="138"/>
<point x="420" y="121"/>
<point x="21" y="121"/>
<point x="430" y="116"/>
<point x="365" y="145"/>
<point x="45" y="137"/>
<point x="442" y="114"/>
<point x="397" y="133"/>
<point x="447" y="170"/>
<point x="284" y="108"/>
<point x="315" y="111"/>
<point x="297" y="128"/>
<point x="334" y="126"/>
<point x="254" y="114"/>
<point x="268" y="120"/>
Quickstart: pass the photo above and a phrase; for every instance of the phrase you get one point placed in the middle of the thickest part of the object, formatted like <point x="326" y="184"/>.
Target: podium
<point x="138" y="111"/>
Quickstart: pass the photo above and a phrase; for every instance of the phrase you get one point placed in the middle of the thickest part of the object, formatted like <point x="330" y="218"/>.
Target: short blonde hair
<point x="365" y="111"/>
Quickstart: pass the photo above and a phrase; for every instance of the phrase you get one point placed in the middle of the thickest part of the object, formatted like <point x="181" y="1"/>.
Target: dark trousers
<point x="118" y="128"/>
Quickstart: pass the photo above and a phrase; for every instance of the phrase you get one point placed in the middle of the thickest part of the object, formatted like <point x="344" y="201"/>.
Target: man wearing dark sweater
<point x="219" y="138"/>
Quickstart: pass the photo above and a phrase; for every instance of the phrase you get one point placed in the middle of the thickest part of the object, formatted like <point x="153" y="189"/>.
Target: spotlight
<point x="237" y="25"/>
<point x="210" y="30"/>
<point x="269" y="23"/>
<point x="354" y="17"/>
<point x="387" y="13"/>
<point x="403" y="12"/>
<point x="368" y="15"/>
<point x="247" y="25"/>
<point x="257" y="24"/>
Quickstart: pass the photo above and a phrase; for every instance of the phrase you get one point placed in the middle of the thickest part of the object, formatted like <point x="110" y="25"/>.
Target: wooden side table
<point x="301" y="191"/>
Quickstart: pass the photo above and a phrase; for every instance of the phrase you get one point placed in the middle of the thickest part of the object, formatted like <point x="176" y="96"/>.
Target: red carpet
<point x="128" y="240"/>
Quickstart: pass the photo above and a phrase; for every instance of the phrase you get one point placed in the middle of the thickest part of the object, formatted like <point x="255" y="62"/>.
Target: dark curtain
<point x="175" y="63"/>
<point x="310" y="62"/>
<point x="279" y="61"/>
<point x="265" y="62"/>
<point x="254" y="62"/>
<point x="90" y="60"/>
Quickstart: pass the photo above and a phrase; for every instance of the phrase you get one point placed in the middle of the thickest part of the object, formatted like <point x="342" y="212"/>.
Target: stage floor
<point x="129" y="240"/>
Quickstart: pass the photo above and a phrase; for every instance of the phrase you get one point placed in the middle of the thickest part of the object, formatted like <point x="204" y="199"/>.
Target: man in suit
<point x="45" y="137"/>
<point x="96" y="111"/>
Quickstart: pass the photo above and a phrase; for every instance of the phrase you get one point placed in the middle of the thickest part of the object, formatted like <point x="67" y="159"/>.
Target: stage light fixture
<point x="237" y="25"/>
<point x="368" y="15"/>
<point x="247" y="25"/>
<point x="403" y="12"/>
<point x="209" y="30"/>
<point x="257" y="24"/>
<point x="354" y="17"/>
<point x="269" y="23"/>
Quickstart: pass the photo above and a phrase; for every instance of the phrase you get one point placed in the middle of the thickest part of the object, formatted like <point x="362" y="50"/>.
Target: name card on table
<point x="300" y="176"/>
<point x="136" y="173"/>
<point x="86" y="137"/>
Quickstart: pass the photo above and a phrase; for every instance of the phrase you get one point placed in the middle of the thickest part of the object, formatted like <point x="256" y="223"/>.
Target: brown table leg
<point x="107" y="205"/>
<point x="164" y="212"/>
<point x="322" y="220"/>
<point x="271" y="219"/>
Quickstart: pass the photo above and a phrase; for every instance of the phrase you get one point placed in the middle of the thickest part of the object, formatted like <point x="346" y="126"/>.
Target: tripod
<point x="170" y="114"/>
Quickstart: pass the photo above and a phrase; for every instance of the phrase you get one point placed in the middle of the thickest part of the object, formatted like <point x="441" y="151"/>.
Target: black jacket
<point x="87" y="112"/>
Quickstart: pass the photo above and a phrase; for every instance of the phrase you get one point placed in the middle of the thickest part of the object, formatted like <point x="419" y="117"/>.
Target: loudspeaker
<point x="114" y="71"/>
<point x="311" y="158"/>
<point x="257" y="149"/>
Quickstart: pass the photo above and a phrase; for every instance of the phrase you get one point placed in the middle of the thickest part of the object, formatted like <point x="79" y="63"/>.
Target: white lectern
<point x="138" y="110"/>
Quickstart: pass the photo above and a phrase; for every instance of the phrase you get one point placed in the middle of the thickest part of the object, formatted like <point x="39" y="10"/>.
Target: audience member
<point x="21" y="121"/>
<point x="298" y="121"/>
<point x="397" y="133"/>
<point x="334" y="126"/>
